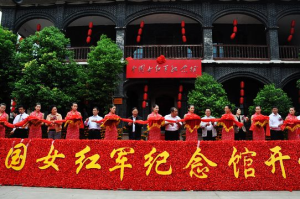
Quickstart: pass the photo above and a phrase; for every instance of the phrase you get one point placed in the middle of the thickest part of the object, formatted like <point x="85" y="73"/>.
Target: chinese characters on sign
<point x="171" y="69"/>
<point x="247" y="162"/>
<point x="156" y="161"/>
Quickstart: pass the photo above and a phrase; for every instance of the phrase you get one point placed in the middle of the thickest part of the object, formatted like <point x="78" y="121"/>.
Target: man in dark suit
<point x="134" y="129"/>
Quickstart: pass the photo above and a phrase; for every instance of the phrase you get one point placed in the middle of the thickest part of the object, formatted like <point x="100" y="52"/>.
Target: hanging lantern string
<point x="140" y="32"/>
<point x="235" y="22"/>
<point x="89" y="34"/>
<point x="292" y="31"/>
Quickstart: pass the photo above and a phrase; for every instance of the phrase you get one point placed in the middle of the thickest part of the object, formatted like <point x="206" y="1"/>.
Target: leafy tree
<point x="104" y="66"/>
<point x="208" y="93"/>
<point x="271" y="96"/>
<point x="8" y="71"/>
<point x="49" y="74"/>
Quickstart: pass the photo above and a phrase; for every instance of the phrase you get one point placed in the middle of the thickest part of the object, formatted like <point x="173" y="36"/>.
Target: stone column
<point x="119" y="92"/>
<point x="207" y="31"/>
<point x="272" y="34"/>
<point x="8" y="17"/>
<point x="60" y="9"/>
<point x="207" y="43"/>
<point x="272" y="40"/>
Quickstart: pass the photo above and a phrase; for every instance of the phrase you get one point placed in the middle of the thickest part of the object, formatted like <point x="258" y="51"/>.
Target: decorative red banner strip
<point x="172" y="68"/>
<point x="156" y="165"/>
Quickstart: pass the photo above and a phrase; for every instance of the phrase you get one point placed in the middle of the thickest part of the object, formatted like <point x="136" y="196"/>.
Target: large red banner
<point x="156" y="165"/>
<point x="172" y="68"/>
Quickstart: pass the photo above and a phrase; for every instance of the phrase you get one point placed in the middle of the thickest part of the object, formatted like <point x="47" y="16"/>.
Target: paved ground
<point x="16" y="192"/>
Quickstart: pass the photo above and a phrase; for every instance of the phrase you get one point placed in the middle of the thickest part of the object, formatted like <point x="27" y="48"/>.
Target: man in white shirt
<point x="94" y="128"/>
<point x="275" y="122"/>
<point x="172" y="129"/>
<point x="209" y="131"/>
<point x="20" y="132"/>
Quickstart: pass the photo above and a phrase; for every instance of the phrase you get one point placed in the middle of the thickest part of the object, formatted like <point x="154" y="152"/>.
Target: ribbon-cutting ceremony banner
<point x="151" y="165"/>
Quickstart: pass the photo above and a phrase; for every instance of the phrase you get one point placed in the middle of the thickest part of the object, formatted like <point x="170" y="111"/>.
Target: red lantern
<point x="235" y="22"/>
<point x="242" y="85"/>
<point x="179" y="104"/>
<point x="293" y="23"/>
<point x="235" y="29"/>
<point x="232" y="36"/>
<point x="12" y="109"/>
<point x="290" y="38"/>
<point x="90" y="32"/>
<point x="183" y="31"/>
<point x="38" y="27"/>
<point x="138" y="39"/>
<point x="91" y="25"/>
<point x="142" y="24"/>
<point x="88" y="39"/>
<point x="140" y="31"/>
<point x="241" y="100"/>
<point x="179" y="96"/>
<point x="182" y="24"/>
<point x="144" y="104"/>
<point x="292" y="31"/>
<point x="180" y="89"/>
<point x="184" y="39"/>
<point x="242" y="92"/>
<point x="13" y="103"/>
<point x="146" y="88"/>
<point x="145" y="96"/>
<point x="21" y="39"/>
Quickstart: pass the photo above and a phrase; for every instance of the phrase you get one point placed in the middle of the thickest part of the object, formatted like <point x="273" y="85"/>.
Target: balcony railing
<point x="80" y="53"/>
<point x="289" y="53"/>
<point x="241" y="52"/>
<point x="169" y="51"/>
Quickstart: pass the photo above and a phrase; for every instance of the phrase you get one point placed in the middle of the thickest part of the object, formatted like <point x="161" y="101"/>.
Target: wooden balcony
<point x="240" y="52"/>
<point x="80" y="53"/>
<point x="289" y="53"/>
<point x="169" y="51"/>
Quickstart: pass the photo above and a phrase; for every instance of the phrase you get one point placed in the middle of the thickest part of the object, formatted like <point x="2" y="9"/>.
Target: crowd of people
<point x="233" y="125"/>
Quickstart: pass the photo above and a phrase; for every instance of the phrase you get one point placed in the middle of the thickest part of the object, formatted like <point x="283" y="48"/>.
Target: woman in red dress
<point x="3" y="119"/>
<point x="258" y="124"/>
<point x="192" y="123"/>
<point x="35" y="126"/>
<point x="292" y="132"/>
<point x="155" y="121"/>
<point x="74" y="123"/>
<point x="228" y="123"/>
<point x="111" y="121"/>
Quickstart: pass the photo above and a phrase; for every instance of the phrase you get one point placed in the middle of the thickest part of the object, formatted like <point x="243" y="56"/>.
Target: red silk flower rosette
<point x="291" y="124"/>
<point x="260" y="121"/>
<point x="5" y="123"/>
<point x="110" y="121"/>
<point x="31" y="120"/>
<point x="72" y="120"/>
<point x="192" y="122"/>
<point x="161" y="59"/>
<point x="155" y="121"/>
<point x="227" y="121"/>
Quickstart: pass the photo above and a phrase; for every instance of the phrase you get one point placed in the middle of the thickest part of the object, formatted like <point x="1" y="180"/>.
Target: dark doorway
<point x="232" y="88"/>
<point x="165" y="103"/>
<point x="293" y="92"/>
